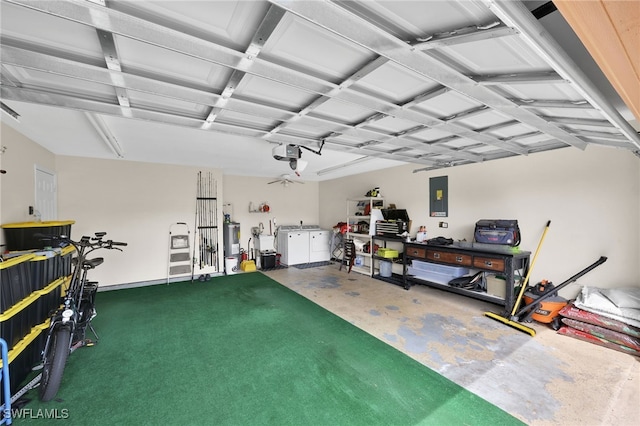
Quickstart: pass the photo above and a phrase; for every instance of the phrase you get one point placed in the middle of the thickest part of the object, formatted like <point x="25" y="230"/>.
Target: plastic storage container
<point x="231" y="265"/>
<point x="15" y="280"/>
<point x="25" y="355"/>
<point x="385" y="269"/>
<point x="458" y="271"/>
<point x="44" y="269"/>
<point x="64" y="261"/>
<point x="50" y="298"/>
<point x="17" y="321"/>
<point x="267" y="260"/>
<point x="387" y="252"/>
<point x="24" y="235"/>
<point x="434" y="272"/>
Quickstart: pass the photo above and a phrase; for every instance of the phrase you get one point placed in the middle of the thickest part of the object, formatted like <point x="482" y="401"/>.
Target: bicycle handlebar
<point x="85" y="241"/>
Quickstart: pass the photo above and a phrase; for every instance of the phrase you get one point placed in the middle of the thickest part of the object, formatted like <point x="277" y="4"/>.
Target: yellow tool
<point x="512" y="321"/>
<point x="248" y="265"/>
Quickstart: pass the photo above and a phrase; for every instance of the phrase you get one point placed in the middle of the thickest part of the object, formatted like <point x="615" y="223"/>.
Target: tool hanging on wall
<point x="206" y="223"/>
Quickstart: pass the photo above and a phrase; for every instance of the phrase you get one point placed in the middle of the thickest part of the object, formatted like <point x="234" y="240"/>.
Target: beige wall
<point x="287" y="205"/>
<point x="133" y="202"/>
<point x="592" y="198"/>
<point x="137" y="202"/>
<point x="17" y="186"/>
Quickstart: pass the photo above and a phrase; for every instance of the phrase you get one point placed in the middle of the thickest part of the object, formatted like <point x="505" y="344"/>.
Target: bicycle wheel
<point x="54" y="362"/>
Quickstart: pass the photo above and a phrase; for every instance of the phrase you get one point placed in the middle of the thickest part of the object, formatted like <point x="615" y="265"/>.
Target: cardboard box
<point x="496" y="285"/>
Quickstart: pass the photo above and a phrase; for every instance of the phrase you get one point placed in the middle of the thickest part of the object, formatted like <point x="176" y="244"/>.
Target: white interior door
<point x="46" y="195"/>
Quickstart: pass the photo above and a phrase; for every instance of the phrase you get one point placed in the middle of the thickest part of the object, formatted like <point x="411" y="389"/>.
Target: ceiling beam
<point x="516" y="14"/>
<point x="18" y="57"/>
<point x="343" y="23"/>
<point x="267" y="27"/>
<point x="147" y="32"/>
<point x="463" y="35"/>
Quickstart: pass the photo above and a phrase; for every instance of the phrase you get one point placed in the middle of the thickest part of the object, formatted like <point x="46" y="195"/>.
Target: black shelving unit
<point x="504" y="263"/>
<point x="395" y="278"/>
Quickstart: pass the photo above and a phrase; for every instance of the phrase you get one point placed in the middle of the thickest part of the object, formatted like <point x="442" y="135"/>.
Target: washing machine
<point x="293" y="245"/>
<point x="303" y="244"/>
<point x="319" y="245"/>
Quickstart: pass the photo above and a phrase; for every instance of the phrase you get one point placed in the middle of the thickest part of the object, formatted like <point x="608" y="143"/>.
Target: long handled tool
<point x="206" y="222"/>
<point x="553" y="290"/>
<point x="512" y="320"/>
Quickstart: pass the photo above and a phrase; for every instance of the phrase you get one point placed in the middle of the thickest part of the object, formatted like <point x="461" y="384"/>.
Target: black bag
<point x="497" y="231"/>
<point x="440" y="241"/>
<point x="470" y="282"/>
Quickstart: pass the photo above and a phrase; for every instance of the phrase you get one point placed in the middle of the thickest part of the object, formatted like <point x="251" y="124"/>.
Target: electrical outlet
<point x="443" y="225"/>
<point x="30" y="210"/>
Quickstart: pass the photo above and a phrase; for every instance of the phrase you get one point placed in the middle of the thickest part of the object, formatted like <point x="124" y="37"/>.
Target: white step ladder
<point x="179" y="250"/>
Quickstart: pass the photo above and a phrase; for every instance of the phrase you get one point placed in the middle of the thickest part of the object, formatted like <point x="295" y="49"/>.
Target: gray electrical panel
<point x="439" y="196"/>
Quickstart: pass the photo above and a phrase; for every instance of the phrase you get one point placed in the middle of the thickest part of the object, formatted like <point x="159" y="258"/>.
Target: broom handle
<point x="526" y="278"/>
<point x="552" y="291"/>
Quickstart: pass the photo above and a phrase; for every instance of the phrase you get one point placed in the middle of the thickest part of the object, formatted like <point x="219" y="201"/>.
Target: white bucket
<point x="231" y="265"/>
<point x="385" y="269"/>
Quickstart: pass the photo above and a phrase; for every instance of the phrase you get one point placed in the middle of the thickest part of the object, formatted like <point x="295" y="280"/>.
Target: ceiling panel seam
<point x="515" y="13"/>
<point x="265" y="30"/>
<point x="53" y="99"/>
<point x="135" y="28"/>
<point x="343" y="23"/>
<point x="19" y="57"/>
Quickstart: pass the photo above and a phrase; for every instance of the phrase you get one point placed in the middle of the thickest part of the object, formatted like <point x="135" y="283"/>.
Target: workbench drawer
<point x="448" y="257"/>
<point x="416" y="252"/>
<point x="489" y="263"/>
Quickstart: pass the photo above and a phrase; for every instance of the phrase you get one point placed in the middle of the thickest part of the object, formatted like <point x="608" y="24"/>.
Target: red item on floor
<point x="570" y="311"/>
<point x="604" y="333"/>
<point x="581" y="335"/>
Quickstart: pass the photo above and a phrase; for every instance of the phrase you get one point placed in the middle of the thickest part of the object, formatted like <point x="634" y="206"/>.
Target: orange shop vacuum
<point x="546" y="310"/>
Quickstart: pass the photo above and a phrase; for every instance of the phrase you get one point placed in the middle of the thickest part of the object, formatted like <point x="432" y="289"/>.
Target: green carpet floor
<point x="244" y="350"/>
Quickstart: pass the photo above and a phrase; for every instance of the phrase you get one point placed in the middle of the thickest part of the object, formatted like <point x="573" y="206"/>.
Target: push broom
<point x="512" y="320"/>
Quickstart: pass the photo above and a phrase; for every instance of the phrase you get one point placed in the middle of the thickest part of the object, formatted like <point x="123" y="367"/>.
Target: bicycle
<point x="69" y="323"/>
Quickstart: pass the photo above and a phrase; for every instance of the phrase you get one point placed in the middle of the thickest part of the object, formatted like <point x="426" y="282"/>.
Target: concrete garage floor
<point x="548" y="379"/>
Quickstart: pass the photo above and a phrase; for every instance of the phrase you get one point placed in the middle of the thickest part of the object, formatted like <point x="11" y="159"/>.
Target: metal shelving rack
<point x="355" y="214"/>
<point x="397" y="271"/>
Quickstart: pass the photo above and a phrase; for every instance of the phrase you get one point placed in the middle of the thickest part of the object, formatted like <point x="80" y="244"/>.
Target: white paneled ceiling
<point x="374" y="83"/>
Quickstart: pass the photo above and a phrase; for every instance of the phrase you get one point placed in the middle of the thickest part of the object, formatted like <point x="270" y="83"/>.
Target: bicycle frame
<point x="68" y="314"/>
<point x="68" y="324"/>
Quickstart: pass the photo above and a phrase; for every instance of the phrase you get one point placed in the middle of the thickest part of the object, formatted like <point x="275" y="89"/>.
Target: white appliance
<point x="319" y="241"/>
<point x="302" y="244"/>
<point x="265" y="243"/>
